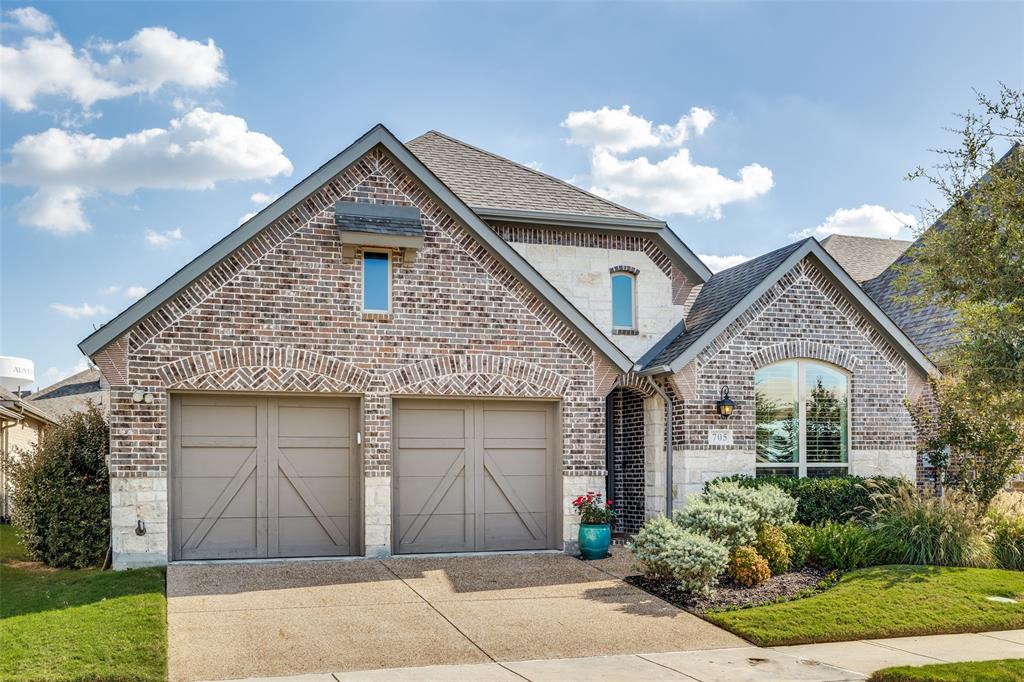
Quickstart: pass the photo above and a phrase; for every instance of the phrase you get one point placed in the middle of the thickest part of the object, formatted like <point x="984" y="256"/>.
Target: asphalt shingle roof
<point x="929" y="327"/>
<point x="864" y="257"/>
<point x="72" y="394"/>
<point x="486" y="180"/>
<point x="718" y="296"/>
<point x="378" y="219"/>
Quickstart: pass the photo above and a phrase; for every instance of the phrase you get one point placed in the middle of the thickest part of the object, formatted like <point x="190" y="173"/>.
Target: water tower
<point x="16" y="373"/>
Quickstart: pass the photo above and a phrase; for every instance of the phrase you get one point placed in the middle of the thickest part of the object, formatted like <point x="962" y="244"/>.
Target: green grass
<point x="887" y="601"/>
<point x="1007" y="670"/>
<point x="79" y="625"/>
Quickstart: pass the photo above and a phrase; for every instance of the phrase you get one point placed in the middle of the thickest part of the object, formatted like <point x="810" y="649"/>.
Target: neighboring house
<point x="21" y="425"/>
<point x="74" y="394"/>
<point x="425" y="347"/>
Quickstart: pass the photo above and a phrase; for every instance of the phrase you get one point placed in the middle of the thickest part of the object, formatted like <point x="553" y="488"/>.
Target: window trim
<point x="389" y="257"/>
<point x="632" y="277"/>
<point x="801" y="377"/>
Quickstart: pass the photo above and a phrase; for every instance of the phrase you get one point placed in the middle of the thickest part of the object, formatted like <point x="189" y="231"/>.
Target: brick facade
<point x="283" y="313"/>
<point x="630" y="463"/>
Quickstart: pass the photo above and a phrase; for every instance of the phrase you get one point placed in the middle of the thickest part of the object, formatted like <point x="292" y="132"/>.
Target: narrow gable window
<point x="623" y="300"/>
<point x="376" y="282"/>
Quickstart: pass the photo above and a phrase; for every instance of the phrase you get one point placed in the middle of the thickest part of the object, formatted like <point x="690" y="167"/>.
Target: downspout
<point x="668" y="445"/>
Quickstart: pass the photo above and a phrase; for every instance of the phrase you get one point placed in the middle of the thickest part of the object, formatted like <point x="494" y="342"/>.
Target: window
<point x="376" y="282"/>
<point x="802" y="412"/>
<point x="623" y="300"/>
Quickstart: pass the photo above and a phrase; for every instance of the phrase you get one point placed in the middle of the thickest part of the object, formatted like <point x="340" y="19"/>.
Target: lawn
<point x="79" y="625"/>
<point x="1008" y="670"/>
<point x="887" y="601"/>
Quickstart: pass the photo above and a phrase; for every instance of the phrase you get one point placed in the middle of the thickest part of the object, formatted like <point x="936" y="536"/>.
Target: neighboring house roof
<point x="486" y="180"/>
<point x="73" y="394"/>
<point x="930" y="326"/>
<point x="378" y="135"/>
<point x="864" y="257"/>
<point x="21" y="406"/>
<point x="499" y="189"/>
<point x="730" y="292"/>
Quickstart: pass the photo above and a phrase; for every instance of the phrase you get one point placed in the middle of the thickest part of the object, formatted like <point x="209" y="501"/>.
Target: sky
<point x="133" y="136"/>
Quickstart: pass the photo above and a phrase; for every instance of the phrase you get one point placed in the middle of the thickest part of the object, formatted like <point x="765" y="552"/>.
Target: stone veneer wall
<point x="803" y="315"/>
<point x="580" y="263"/>
<point x="630" y="464"/>
<point x="283" y="313"/>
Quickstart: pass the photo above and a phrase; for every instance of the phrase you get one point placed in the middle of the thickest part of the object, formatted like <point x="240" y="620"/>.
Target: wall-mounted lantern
<point x="725" y="405"/>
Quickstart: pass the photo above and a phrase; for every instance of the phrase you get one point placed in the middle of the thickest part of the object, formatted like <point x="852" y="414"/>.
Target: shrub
<point x="773" y="506"/>
<point x="818" y="499"/>
<point x="665" y="550"/>
<point x="1007" y="517"/>
<point x="799" y="538"/>
<point x="747" y="567"/>
<point x="730" y="524"/>
<point x="650" y="544"/>
<point x="61" y="493"/>
<point x="926" y="530"/>
<point x="773" y="546"/>
<point x="843" y="546"/>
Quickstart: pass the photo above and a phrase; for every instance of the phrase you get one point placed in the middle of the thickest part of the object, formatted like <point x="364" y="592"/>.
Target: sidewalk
<point x="812" y="662"/>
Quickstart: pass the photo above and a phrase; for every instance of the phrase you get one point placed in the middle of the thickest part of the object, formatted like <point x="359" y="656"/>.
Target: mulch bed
<point x="730" y="595"/>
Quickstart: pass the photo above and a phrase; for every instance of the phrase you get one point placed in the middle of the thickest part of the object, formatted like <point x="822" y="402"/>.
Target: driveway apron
<point x="236" y="620"/>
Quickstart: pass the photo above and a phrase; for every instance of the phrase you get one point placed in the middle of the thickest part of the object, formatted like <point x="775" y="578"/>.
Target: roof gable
<point x="864" y="257"/>
<point x="378" y="135"/>
<point x="730" y="292"/>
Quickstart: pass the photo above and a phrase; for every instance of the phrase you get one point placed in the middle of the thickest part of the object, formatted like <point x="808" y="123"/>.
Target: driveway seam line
<point x="891" y="647"/>
<point x="995" y="635"/>
<point x="667" y="667"/>
<point x="448" y="620"/>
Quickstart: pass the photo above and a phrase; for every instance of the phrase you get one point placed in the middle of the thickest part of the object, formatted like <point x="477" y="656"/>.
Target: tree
<point x="62" y="492"/>
<point x="972" y="260"/>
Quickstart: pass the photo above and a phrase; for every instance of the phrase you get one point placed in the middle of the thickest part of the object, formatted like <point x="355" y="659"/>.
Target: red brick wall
<point x="284" y="313"/>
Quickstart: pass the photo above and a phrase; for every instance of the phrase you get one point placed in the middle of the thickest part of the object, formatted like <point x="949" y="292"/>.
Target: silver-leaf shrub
<point x="773" y="506"/>
<point x="663" y="549"/>
<point x="725" y="522"/>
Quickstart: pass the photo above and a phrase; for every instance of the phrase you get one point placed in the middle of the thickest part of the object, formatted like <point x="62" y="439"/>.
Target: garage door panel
<point x="332" y="493"/>
<point x="205" y="462"/>
<point x="499" y="499"/>
<point x="294" y="491"/>
<point x="211" y="419"/>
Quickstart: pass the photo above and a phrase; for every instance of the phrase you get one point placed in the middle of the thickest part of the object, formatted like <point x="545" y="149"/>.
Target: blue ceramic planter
<point x="595" y="539"/>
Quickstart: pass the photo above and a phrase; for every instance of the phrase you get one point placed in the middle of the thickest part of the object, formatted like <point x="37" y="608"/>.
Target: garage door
<point x="473" y="476"/>
<point x="263" y="477"/>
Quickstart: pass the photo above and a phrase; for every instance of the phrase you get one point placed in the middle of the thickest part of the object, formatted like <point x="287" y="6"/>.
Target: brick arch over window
<point x="813" y="350"/>
<point x="490" y="375"/>
<point x="265" y="368"/>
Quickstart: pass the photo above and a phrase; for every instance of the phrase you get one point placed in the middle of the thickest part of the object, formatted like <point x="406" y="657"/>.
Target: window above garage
<point x="379" y="226"/>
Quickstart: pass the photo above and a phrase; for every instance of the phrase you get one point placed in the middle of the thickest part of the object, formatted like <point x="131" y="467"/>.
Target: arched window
<point x="623" y="301"/>
<point x="802" y="411"/>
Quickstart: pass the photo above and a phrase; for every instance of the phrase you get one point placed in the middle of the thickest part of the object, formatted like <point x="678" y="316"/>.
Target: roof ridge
<point x="858" y="236"/>
<point x="542" y="174"/>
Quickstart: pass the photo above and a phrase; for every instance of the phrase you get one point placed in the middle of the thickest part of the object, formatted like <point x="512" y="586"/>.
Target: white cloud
<point x="262" y="199"/>
<point x="135" y="292"/>
<point x="667" y="186"/>
<point x="194" y="152"/>
<point x="869" y="220"/>
<point x="247" y="216"/>
<point x="620" y="130"/>
<point x="31" y="19"/>
<point x="48" y="65"/>
<point x="163" y="239"/>
<point x="52" y="375"/>
<point x="675" y="184"/>
<point x="107" y="291"/>
<point x="719" y="263"/>
<point x="76" y="312"/>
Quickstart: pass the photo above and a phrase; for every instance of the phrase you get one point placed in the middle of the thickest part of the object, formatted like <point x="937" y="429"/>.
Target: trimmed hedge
<point x="818" y="499"/>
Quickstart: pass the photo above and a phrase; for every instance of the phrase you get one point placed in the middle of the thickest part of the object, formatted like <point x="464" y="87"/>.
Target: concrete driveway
<point x="235" y="620"/>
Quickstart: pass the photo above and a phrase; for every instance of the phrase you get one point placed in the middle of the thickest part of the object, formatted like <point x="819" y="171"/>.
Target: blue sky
<point x="827" y="106"/>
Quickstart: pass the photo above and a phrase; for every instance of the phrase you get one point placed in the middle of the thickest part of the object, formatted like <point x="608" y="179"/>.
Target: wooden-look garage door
<point x="263" y="477"/>
<point x="474" y="475"/>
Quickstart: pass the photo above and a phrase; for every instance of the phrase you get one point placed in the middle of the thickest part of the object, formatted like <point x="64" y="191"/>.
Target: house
<point x="21" y="426"/>
<point x="73" y="394"/>
<point x="425" y="347"/>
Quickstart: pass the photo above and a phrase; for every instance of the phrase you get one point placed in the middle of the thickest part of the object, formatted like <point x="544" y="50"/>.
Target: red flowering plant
<point x="592" y="510"/>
